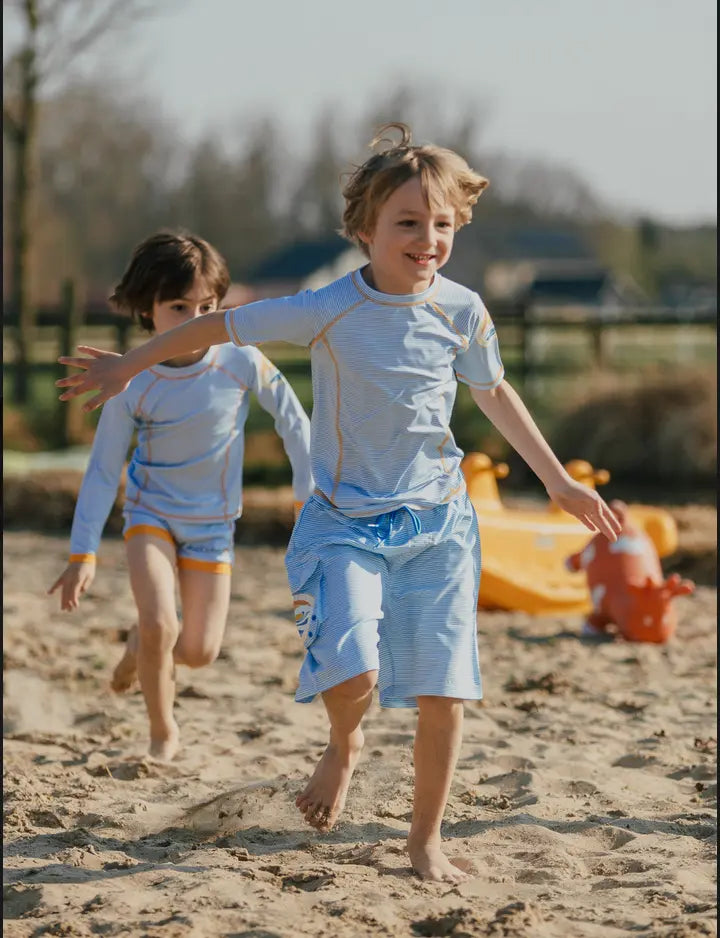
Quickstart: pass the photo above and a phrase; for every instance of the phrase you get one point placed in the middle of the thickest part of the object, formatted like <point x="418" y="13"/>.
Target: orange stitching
<point x="195" y="374"/>
<point x="209" y="566"/>
<point x="321" y="334"/>
<point x="338" y="469"/>
<point x="149" y="529"/>
<point x="164" y="514"/>
<point x="483" y="387"/>
<point x="235" y="336"/>
<point x="384" y="303"/>
<point x="453" y="492"/>
<point x="440" y="450"/>
<point x="226" y="461"/>
<point x="441" y="312"/>
<point x="231" y="376"/>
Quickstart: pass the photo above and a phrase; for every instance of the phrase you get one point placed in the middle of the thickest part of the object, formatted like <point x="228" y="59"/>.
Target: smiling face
<point x="410" y="241"/>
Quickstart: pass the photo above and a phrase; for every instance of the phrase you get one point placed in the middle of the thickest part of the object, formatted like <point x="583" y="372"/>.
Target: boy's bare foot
<point x="323" y="798"/>
<point x="430" y="863"/>
<point x="125" y="673"/>
<point x="164" y="749"/>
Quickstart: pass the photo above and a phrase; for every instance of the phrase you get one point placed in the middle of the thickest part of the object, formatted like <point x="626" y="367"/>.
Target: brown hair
<point x="444" y="177"/>
<point x="164" y="267"/>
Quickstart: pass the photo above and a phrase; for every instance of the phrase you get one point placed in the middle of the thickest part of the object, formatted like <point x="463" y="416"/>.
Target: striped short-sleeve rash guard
<point x="384" y="375"/>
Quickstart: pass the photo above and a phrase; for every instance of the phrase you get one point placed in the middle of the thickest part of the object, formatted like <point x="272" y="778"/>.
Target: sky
<point x="623" y="92"/>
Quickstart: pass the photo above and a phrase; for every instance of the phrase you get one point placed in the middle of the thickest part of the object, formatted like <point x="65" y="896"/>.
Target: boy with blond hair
<point x="384" y="561"/>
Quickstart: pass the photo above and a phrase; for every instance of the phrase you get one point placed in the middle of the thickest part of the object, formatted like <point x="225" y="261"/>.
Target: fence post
<point x="70" y="421"/>
<point x="122" y="328"/>
<point x="598" y="343"/>
<point x="525" y="344"/>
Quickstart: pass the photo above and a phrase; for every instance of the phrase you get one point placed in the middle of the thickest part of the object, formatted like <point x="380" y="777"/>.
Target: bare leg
<point x="205" y="600"/>
<point x="125" y="673"/>
<point x="437" y="746"/>
<point x="151" y="561"/>
<point x="205" y="597"/>
<point x="323" y="798"/>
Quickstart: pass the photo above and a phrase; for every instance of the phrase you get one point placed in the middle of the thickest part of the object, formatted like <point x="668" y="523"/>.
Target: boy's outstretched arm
<point x="109" y="373"/>
<point x="504" y="409"/>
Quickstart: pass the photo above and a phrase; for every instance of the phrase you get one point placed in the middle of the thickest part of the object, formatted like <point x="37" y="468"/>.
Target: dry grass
<point x="661" y="432"/>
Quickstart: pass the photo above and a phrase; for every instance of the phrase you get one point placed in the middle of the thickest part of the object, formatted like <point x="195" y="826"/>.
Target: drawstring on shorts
<point x="383" y="527"/>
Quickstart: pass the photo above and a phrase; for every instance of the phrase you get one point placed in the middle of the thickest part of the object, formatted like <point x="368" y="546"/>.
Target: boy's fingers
<point x="94" y="402"/>
<point x="70" y="381"/>
<point x="74" y="362"/>
<point x="609" y="524"/>
<point x="70" y="394"/>
<point x="54" y="586"/>
<point x="95" y="352"/>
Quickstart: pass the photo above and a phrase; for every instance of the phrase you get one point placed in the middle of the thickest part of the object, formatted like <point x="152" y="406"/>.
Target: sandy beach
<point x="584" y="797"/>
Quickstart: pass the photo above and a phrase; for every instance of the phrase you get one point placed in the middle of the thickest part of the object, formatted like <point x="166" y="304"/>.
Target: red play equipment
<point x="627" y="585"/>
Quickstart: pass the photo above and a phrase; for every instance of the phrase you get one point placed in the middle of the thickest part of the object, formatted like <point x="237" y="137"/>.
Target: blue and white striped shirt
<point x="385" y="371"/>
<point x="190" y="442"/>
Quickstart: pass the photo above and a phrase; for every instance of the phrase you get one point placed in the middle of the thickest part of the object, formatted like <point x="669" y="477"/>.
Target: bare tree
<point x="54" y="34"/>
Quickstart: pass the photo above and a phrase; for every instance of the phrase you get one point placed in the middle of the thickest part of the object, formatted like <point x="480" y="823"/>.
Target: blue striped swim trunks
<point x="396" y="593"/>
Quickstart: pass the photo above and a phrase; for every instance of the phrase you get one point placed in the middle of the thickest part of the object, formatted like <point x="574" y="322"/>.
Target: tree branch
<point x="11" y="124"/>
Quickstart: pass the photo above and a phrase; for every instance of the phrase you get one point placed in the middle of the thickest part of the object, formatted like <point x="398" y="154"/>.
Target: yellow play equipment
<point x="524" y="549"/>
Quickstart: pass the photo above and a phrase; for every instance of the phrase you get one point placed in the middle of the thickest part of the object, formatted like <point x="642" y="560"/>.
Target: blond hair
<point x="444" y="175"/>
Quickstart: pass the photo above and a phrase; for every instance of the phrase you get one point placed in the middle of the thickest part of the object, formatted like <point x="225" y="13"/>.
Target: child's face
<point x="197" y="301"/>
<point x="411" y="241"/>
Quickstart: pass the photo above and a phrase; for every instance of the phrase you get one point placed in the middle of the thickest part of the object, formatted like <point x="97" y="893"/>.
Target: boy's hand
<point x="74" y="580"/>
<point x="587" y="506"/>
<point x="100" y="370"/>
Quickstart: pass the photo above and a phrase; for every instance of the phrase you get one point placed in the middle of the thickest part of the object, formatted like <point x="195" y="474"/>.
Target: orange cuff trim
<point x="207" y="566"/>
<point x="82" y="558"/>
<point x="150" y="529"/>
<point x="298" y="505"/>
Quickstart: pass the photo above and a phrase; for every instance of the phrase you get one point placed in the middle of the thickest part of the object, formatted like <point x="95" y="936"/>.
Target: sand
<point x="584" y="796"/>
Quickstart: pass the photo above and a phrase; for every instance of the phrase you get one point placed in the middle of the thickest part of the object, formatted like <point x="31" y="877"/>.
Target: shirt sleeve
<point x="291" y="422"/>
<point x="102" y="478"/>
<point x="480" y="365"/>
<point x="282" y="319"/>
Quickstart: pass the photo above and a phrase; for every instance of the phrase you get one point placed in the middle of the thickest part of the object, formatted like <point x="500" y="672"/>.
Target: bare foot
<point x="323" y="798"/>
<point x="429" y="862"/>
<point x="164" y="749"/>
<point x="125" y="673"/>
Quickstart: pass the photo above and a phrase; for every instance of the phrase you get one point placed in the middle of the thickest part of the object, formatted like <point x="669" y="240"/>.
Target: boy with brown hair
<point x="384" y="561"/>
<point x="184" y="483"/>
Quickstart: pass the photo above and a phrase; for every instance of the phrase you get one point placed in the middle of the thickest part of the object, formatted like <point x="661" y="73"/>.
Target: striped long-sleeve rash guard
<point x="190" y="442"/>
<point x="385" y="371"/>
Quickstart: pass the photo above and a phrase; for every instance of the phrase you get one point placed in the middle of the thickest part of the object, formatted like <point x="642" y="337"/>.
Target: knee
<point x="157" y="634"/>
<point x="198" y="656"/>
<point x="439" y="708"/>
<point x="356" y="688"/>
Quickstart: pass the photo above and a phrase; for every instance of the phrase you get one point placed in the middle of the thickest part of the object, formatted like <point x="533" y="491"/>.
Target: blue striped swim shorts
<point x="396" y="593"/>
<point x="205" y="546"/>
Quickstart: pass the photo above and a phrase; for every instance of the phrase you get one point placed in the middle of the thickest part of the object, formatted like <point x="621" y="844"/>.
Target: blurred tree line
<point x="100" y="170"/>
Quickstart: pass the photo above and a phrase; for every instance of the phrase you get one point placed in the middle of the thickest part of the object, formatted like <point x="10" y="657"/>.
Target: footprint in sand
<point x="613" y="837"/>
<point x="513" y="788"/>
<point x="20" y="900"/>
<point x="266" y="804"/>
<point x="634" y="760"/>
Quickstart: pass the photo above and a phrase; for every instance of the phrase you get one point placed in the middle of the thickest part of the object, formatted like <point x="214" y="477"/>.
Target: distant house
<point x="539" y="268"/>
<point x="303" y="265"/>
<point x="585" y="285"/>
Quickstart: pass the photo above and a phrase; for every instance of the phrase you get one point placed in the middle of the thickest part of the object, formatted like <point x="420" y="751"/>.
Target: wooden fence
<point x="519" y="326"/>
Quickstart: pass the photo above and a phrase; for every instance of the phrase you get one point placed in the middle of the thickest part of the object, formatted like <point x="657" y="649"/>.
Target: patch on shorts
<point x="305" y="617"/>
